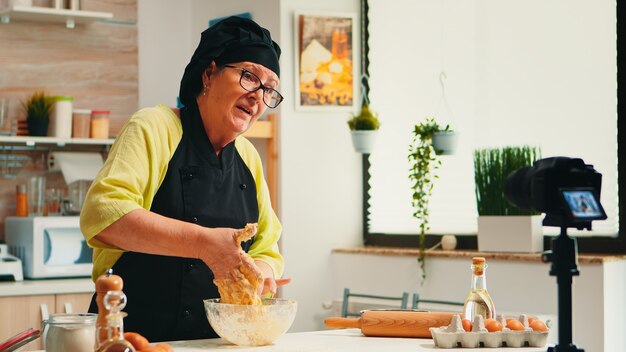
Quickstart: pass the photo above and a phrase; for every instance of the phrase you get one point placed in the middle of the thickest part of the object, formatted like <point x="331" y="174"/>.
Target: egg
<point x="530" y="320"/>
<point x="467" y="325"/>
<point x="515" y="325"/>
<point x="139" y="342"/>
<point x="493" y="325"/>
<point x="538" y="325"/>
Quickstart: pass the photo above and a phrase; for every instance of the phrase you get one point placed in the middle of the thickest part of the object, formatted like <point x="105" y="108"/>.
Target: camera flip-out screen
<point x="583" y="204"/>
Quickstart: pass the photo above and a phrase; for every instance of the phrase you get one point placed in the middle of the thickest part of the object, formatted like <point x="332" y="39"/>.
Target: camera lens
<point x="517" y="188"/>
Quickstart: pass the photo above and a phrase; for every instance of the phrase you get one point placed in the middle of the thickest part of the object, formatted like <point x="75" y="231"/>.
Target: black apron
<point x="165" y="294"/>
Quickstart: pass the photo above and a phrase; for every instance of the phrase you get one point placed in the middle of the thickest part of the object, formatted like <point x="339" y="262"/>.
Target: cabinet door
<point x="78" y="301"/>
<point x="18" y="313"/>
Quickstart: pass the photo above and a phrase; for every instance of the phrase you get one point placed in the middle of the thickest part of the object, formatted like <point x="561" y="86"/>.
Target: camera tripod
<point x="563" y="258"/>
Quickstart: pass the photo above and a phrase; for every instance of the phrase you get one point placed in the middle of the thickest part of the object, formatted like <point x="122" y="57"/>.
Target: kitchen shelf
<point x="30" y="141"/>
<point x="47" y="14"/>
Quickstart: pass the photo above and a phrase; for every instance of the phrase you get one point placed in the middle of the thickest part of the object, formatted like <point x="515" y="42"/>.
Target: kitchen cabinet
<point x="18" y="313"/>
<point x="21" y="303"/>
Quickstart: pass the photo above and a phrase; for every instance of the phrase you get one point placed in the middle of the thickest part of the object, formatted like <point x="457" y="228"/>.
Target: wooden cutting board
<point x="394" y="323"/>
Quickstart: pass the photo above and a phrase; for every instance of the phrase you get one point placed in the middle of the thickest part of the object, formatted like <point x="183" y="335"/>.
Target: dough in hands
<point x="241" y="286"/>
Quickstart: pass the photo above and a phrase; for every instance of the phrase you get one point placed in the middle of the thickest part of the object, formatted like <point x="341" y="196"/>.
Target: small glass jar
<point x="100" y="124"/>
<point x="81" y="120"/>
<point x="70" y="332"/>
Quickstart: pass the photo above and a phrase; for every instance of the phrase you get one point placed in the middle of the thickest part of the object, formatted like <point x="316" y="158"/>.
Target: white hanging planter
<point x="522" y="233"/>
<point x="363" y="141"/>
<point x="444" y="143"/>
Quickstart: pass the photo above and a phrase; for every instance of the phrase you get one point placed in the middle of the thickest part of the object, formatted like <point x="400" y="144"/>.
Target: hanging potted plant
<point x="503" y="227"/>
<point x="363" y="129"/>
<point x="424" y="163"/>
<point x="37" y="108"/>
<point x="444" y="140"/>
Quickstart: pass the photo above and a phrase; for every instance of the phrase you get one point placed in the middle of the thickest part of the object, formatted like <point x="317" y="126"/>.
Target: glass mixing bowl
<point x="251" y="325"/>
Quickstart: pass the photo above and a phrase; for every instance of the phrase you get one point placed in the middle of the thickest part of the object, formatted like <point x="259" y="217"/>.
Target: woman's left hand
<point x="270" y="285"/>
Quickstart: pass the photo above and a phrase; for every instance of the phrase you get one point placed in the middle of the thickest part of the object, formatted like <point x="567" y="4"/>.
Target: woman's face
<point x="228" y="109"/>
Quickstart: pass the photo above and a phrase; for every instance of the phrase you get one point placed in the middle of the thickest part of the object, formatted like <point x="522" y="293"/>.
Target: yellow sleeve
<point x="265" y="246"/>
<point x="133" y="171"/>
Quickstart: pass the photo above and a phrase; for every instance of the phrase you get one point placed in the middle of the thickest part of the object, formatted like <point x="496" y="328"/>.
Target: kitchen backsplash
<point x="94" y="63"/>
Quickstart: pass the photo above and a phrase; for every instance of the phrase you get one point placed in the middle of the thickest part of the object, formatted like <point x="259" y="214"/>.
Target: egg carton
<point x="453" y="335"/>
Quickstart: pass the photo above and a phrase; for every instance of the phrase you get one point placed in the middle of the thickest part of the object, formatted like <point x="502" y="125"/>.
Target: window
<point x="522" y="72"/>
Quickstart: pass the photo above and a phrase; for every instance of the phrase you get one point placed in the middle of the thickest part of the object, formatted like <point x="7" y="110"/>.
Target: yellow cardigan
<point x="134" y="171"/>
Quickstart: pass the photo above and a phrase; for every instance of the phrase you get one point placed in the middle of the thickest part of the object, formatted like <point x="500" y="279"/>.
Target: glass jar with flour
<point x="70" y="333"/>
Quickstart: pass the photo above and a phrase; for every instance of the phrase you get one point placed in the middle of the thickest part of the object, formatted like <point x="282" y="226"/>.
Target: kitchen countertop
<point x="333" y="340"/>
<point x="460" y="253"/>
<point x="46" y="287"/>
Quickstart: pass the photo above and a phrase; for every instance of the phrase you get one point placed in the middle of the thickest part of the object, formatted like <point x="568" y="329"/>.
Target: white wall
<point x="321" y="183"/>
<point x="320" y="176"/>
<point x="164" y="43"/>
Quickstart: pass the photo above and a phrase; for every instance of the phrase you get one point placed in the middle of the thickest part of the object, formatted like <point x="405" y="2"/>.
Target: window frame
<point x="595" y="244"/>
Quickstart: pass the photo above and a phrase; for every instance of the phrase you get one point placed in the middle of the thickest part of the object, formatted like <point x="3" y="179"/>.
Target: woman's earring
<point x="204" y="90"/>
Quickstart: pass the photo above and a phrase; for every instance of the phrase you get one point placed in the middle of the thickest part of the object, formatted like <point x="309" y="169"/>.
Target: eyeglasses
<point x="251" y="82"/>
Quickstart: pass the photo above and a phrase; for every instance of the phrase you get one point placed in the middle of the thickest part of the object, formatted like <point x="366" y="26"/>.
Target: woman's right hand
<point x="223" y="254"/>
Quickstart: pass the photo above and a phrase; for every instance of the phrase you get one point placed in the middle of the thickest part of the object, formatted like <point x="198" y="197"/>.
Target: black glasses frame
<point x="270" y="91"/>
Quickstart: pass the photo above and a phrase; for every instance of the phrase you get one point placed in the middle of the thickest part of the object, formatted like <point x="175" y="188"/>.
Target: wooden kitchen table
<point x="334" y="340"/>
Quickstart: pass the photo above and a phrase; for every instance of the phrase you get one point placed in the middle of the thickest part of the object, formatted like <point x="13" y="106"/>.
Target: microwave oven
<point x="49" y="246"/>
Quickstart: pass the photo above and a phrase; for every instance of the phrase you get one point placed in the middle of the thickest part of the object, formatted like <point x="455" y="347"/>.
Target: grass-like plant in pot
<point x="424" y="163"/>
<point x="38" y="107"/>
<point x="496" y="215"/>
<point x="363" y="129"/>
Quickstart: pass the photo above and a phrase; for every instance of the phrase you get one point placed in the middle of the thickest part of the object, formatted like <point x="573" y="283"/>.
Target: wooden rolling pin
<point x="394" y="323"/>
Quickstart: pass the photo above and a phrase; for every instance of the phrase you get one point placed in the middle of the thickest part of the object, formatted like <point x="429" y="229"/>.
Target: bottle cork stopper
<point x="478" y="260"/>
<point x="478" y="265"/>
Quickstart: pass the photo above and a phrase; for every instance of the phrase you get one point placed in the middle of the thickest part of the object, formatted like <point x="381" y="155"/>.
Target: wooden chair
<point x="403" y="301"/>
<point x="417" y="300"/>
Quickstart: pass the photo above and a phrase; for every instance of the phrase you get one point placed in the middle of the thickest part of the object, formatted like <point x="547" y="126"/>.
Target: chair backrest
<point x="417" y="300"/>
<point x="403" y="301"/>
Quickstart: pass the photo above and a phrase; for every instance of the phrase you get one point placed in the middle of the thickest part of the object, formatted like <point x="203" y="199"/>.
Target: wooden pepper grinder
<point x="105" y="283"/>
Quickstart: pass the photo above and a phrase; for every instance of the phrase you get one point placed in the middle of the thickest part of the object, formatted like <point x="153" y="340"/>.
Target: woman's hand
<point x="223" y="254"/>
<point x="270" y="285"/>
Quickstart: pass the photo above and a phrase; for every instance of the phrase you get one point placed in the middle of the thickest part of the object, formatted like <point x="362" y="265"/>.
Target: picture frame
<point x="326" y="69"/>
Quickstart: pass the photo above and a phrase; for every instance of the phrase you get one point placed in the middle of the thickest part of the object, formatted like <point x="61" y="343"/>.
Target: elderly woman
<point x="164" y="210"/>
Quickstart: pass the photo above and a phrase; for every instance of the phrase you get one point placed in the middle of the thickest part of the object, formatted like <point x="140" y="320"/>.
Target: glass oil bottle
<point x="478" y="301"/>
<point x="115" y="301"/>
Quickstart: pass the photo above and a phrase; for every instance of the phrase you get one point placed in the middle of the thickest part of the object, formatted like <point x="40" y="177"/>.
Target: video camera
<point x="566" y="189"/>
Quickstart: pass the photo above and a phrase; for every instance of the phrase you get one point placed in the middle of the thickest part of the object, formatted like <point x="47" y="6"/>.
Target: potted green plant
<point x="444" y="140"/>
<point x="503" y="227"/>
<point x="37" y="108"/>
<point x="424" y="163"/>
<point x="363" y="129"/>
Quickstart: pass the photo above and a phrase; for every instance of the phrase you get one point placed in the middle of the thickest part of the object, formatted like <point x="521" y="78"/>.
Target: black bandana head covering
<point x="231" y="40"/>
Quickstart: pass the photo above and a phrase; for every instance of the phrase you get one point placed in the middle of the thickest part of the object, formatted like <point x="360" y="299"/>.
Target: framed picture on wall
<point x="325" y="61"/>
